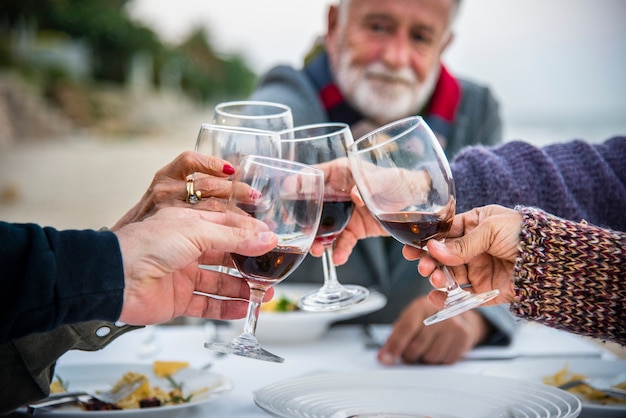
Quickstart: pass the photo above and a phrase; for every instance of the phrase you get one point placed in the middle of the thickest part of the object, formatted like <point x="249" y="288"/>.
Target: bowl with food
<point x="559" y="371"/>
<point x="166" y="389"/>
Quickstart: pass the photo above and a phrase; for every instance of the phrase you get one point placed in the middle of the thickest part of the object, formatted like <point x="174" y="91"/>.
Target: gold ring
<point x="193" y="197"/>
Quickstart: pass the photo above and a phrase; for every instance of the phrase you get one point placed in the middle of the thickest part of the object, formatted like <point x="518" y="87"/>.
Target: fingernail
<point x="265" y="236"/>
<point x="387" y="358"/>
<point x="254" y="194"/>
<point x="228" y="169"/>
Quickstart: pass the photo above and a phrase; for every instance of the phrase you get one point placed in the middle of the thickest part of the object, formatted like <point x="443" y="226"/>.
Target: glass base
<point x="462" y="303"/>
<point x="244" y="350"/>
<point x="340" y="297"/>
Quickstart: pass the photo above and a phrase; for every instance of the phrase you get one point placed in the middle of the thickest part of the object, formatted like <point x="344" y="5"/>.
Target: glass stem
<point x="330" y="273"/>
<point x="452" y="287"/>
<point x="256" y="298"/>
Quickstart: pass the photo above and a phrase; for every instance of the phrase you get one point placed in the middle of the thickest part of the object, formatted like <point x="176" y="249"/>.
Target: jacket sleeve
<point x="573" y="180"/>
<point x="27" y="364"/>
<point x="50" y="278"/>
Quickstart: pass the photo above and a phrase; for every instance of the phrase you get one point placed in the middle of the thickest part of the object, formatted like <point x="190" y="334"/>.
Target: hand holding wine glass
<point x="288" y="197"/>
<point x="325" y="145"/>
<point x="404" y="179"/>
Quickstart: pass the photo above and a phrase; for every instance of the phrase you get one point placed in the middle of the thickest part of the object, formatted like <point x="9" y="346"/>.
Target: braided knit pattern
<point x="571" y="276"/>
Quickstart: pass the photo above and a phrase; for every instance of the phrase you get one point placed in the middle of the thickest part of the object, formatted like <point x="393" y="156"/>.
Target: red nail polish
<point x="228" y="169"/>
<point x="254" y="194"/>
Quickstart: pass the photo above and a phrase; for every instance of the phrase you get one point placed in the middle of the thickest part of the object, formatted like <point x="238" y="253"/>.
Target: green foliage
<point x="206" y="75"/>
<point x="113" y="39"/>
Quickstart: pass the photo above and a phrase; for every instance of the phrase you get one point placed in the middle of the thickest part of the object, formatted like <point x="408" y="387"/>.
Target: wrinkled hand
<point x="168" y="187"/>
<point x="160" y="256"/>
<point x="442" y="343"/>
<point x="480" y="249"/>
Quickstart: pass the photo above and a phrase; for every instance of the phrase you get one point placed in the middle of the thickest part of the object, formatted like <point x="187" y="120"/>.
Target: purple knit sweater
<point x="573" y="180"/>
<point x="568" y="275"/>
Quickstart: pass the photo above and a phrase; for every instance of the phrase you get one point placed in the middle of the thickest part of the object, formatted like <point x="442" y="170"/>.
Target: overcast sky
<point x="546" y="60"/>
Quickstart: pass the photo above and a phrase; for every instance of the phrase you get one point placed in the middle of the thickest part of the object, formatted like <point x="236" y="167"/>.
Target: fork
<point x="113" y="395"/>
<point x="603" y="384"/>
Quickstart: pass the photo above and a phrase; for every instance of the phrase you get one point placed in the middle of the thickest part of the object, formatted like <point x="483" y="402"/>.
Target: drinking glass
<point x="267" y="116"/>
<point x="315" y="145"/>
<point x="405" y="181"/>
<point x="287" y="196"/>
<point x="232" y="143"/>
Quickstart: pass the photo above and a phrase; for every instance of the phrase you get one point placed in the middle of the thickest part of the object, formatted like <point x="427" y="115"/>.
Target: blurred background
<point x="96" y="95"/>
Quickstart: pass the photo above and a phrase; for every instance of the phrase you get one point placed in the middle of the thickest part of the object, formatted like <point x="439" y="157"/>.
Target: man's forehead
<point x="431" y="12"/>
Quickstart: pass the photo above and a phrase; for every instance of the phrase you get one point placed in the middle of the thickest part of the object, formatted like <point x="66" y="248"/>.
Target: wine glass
<point x="319" y="144"/>
<point x="267" y="116"/>
<point x="287" y="196"/>
<point x="232" y="143"/>
<point x="405" y="181"/>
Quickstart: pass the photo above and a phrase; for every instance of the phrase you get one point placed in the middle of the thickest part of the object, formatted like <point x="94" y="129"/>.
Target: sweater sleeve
<point x="574" y="180"/>
<point x="570" y="276"/>
<point x="50" y="278"/>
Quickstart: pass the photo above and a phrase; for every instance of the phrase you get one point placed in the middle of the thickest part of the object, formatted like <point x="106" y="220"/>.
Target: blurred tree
<point x="216" y="75"/>
<point x="102" y="24"/>
<point x="114" y="38"/>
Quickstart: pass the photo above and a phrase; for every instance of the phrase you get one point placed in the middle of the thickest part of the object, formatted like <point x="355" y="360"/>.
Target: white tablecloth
<point x="342" y="348"/>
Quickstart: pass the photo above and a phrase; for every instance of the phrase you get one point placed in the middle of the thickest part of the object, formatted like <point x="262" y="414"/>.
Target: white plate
<point x="301" y="326"/>
<point x="92" y="377"/>
<point x="408" y="393"/>
<point x="535" y="370"/>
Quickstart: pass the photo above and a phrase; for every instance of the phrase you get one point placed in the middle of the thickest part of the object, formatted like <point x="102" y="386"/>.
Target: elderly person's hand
<point x="160" y="256"/>
<point x="169" y="186"/>
<point x="442" y="343"/>
<point x="481" y="248"/>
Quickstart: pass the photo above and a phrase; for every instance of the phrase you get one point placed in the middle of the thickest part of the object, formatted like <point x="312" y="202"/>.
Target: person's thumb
<point x="457" y="251"/>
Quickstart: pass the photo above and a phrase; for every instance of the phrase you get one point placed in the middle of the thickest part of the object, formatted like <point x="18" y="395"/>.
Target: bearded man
<point x="380" y="61"/>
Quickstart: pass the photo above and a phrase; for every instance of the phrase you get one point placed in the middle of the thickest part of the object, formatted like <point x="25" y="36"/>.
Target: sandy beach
<point x="85" y="181"/>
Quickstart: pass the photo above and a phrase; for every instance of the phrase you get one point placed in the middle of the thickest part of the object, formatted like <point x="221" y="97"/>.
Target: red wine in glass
<point x="405" y="181"/>
<point x="335" y="216"/>
<point x="270" y="267"/>
<point x="287" y="198"/>
<point x="325" y="144"/>
<point x="415" y="228"/>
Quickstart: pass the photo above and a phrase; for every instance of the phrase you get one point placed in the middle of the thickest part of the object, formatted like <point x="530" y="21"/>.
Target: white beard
<point x="383" y="94"/>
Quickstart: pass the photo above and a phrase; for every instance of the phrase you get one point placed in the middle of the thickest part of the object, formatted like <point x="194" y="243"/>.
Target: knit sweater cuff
<point x="570" y="276"/>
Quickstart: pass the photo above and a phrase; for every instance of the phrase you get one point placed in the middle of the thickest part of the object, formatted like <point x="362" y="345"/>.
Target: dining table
<point x="342" y="349"/>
